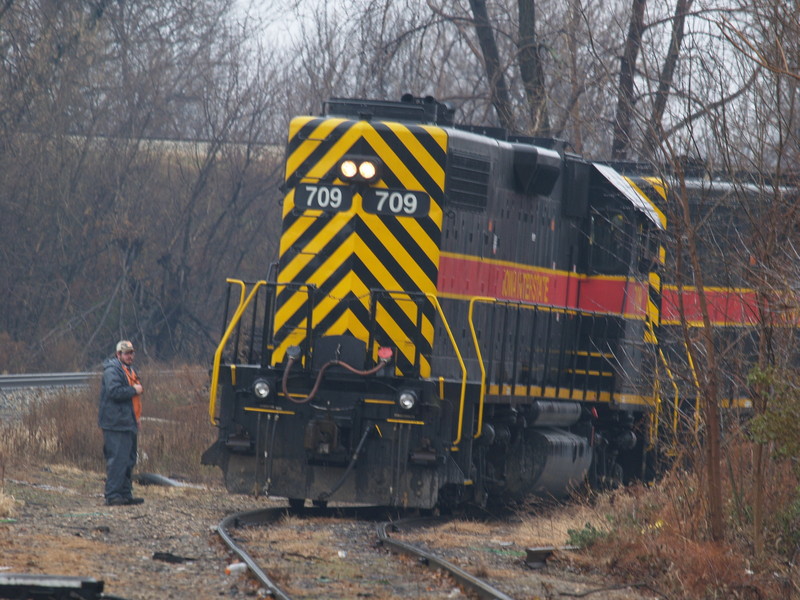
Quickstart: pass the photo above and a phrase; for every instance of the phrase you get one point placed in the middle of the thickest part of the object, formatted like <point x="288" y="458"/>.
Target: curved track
<point x="467" y="581"/>
<point x="254" y="517"/>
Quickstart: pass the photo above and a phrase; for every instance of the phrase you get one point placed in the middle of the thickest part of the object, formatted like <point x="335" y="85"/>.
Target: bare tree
<point x="133" y="225"/>
<point x="767" y="42"/>
<point x="625" y="94"/>
<point x="498" y="89"/>
<point x="531" y="68"/>
<point x="666" y="78"/>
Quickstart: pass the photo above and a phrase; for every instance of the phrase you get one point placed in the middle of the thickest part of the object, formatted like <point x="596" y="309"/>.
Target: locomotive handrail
<point x="696" y="381"/>
<point x="479" y="355"/>
<point x="435" y="301"/>
<point x="243" y="287"/>
<point x="655" y="417"/>
<point x="482" y="396"/>
<point x="237" y="315"/>
<point x="676" y="400"/>
<point x="375" y="296"/>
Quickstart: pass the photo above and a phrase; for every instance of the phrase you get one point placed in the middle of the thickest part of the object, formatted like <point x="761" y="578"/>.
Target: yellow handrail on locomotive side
<point x="565" y="311"/>
<point x="237" y="315"/>
<point x="482" y="397"/>
<point x="697" y="388"/>
<point x="676" y="402"/>
<point x="435" y="301"/>
<point x="490" y="300"/>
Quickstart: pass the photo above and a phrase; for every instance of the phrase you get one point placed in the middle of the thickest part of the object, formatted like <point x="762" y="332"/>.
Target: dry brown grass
<point x="660" y="536"/>
<point x="175" y="430"/>
<point x="8" y="506"/>
<point x="534" y="525"/>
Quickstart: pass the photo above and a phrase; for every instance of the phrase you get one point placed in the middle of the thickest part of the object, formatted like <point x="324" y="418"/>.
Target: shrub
<point x="586" y="537"/>
<point x="659" y="537"/>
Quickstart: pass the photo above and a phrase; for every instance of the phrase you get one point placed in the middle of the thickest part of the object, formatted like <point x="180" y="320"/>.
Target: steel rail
<point x="466" y="580"/>
<point x="269" y="515"/>
<point x="253" y="517"/>
<point x="263" y="516"/>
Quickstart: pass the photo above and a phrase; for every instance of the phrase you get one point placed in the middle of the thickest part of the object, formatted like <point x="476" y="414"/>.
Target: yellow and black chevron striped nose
<point x="359" y="259"/>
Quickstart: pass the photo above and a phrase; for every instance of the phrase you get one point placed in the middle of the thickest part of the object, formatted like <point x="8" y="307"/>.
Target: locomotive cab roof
<point x="410" y="108"/>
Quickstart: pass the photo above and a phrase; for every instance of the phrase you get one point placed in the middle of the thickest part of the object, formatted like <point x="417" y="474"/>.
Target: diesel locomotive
<point x="456" y="315"/>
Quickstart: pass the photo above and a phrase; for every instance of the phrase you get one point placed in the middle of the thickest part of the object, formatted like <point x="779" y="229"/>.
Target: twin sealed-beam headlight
<point x="359" y="169"/>
<point x="261" y="388"/>
<point x="348" y="169"/>
<point x="407" y="399"/>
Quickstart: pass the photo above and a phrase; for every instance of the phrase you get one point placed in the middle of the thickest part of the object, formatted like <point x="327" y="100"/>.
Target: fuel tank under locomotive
<point x="531" y="451"/>
<point x="546" y="462"/>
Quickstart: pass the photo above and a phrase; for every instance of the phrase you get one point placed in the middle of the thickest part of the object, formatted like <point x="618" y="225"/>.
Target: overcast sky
<point x="280" y="19"/>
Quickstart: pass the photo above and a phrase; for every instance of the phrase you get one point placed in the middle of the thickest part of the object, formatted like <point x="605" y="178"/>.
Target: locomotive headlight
<point x="261" y="388"/>
<point x="368" y="170"/>
<point x="357" y="168"/>
<point x="348" y="169"/>
<point x="407" y="399"/>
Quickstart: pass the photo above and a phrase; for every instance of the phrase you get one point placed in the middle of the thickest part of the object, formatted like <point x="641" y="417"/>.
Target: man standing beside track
<point x="119" y="414"/>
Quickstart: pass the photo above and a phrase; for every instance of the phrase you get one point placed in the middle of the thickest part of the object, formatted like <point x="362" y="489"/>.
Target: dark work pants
<point x="119" y="450"/>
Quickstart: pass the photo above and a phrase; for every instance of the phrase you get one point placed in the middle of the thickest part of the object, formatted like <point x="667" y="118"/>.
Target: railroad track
<point x="381" y="528"/>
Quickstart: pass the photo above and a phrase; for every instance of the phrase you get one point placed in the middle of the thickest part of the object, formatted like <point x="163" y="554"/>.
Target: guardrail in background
<point x="46" y="380"/>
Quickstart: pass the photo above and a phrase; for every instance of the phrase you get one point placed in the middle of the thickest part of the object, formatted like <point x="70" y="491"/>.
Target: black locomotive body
<point x="456" y="315"/>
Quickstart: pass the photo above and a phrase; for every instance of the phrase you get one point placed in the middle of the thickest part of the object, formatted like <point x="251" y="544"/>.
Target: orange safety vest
<point x="133" y="379"/>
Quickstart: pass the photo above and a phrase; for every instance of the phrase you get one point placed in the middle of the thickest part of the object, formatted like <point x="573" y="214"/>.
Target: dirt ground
<point x="61" y="526"/>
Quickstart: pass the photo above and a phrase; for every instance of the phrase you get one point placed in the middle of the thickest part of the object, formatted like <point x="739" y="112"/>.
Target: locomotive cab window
<point x="610" y="242"/>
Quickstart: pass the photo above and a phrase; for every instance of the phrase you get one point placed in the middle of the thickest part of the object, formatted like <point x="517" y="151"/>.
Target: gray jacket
<point x="116" y="398"/>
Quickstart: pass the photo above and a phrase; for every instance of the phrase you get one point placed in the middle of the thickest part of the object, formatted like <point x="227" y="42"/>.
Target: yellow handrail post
<point x="676" y="402"/>
<point x="479" y="428"/>
<point x="242" y="289"/>
<point x="237" y="315"/>
<point x="672" y="381"/>
<point x="435" y="301"/>
<point x="697" y="388"/>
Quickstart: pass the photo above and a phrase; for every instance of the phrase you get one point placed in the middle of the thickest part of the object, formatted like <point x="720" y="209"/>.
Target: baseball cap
<point x="124" y="346"/>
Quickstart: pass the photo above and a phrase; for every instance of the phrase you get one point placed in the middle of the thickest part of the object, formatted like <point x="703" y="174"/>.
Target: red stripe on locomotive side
<point x="726" y="306"/>
<point x="466" y="276"/>
<point x="617" y="295"/>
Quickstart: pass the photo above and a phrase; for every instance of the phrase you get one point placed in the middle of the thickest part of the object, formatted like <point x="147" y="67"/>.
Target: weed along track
<point x="345" y="553"/>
